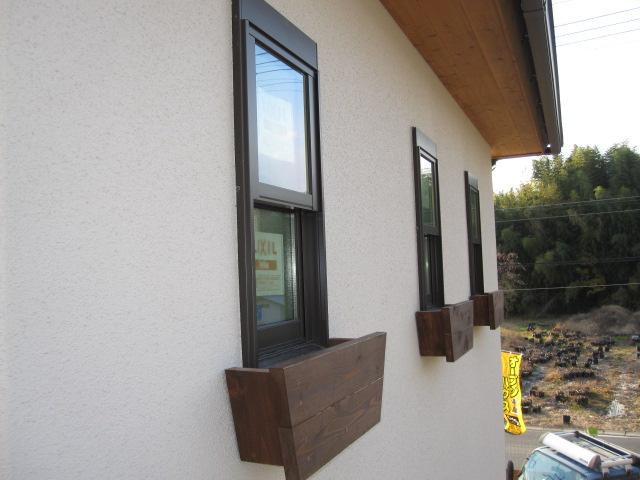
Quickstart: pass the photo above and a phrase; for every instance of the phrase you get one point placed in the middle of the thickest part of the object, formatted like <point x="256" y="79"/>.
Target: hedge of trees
<point x="576" y="224"/>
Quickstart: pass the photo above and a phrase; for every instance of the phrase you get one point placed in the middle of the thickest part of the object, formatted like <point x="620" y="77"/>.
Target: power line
<point x="568" y="203"/>
<point x="575" y="208"/>
<point x="578" y="262"/>
<point x="571" y="287"/>
<point x="274" y="70"/>
<point x="595" y="38"/>
<point x="598" y="16"/>
<point x="567" y="216"/>
<point x="629" y="41"/>
<point x="597" y="28"/>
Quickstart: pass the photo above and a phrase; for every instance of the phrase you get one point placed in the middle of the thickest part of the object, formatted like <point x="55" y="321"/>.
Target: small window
<point x="428" y="222"/>
<point x="280" y="222"/>
<point x="476" y="275"/>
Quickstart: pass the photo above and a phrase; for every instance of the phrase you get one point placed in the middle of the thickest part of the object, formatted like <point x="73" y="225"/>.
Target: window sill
<point x="303" y="412"/>
<point x="446" y="331"/>
<point x="488" y="309"/>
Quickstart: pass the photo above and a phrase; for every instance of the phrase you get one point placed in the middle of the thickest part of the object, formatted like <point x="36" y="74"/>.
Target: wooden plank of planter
<point x="316" y="381"/>
<point x="498" y="309"/>
<point x="254" y="405"/>
<point x="430" y="333"/>
<point x="459" y="337"/>
<point x="303" y="412"/>
<point x="480" y="310"/>
<point x="310" y="445"/>
<point x="446" y="331"/>
<point x="488" y="309"/>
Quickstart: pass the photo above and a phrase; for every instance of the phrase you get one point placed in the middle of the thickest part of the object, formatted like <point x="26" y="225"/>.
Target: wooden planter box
<point x="303" y="412"/>
<point x="447" y="331"/>
<point x="488" y="309"/>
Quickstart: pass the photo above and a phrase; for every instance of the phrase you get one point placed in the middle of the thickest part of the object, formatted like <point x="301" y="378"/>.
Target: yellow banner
<point x="512" y="394"/>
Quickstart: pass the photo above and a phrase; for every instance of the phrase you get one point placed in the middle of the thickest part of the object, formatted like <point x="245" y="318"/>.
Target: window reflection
<point x="281" y="118"/>
<point x="275" y="257"/>
<point x="427" y="192"/>
<point x="474" y="198"/>
<point x="427" y="267"/>
<point x="541" y="467"/>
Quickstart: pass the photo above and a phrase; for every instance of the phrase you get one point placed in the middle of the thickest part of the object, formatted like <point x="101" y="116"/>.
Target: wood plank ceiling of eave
<point x="476" y="48"/>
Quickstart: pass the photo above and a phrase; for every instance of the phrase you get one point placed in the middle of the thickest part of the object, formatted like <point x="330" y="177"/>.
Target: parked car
<point x="577" y="456"/>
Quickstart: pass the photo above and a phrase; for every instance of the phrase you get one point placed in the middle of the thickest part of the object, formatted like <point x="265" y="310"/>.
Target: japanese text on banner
<point x="512" y="393"/>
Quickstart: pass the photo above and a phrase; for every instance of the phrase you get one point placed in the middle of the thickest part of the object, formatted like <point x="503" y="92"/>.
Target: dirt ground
<point x="605" y="395"/>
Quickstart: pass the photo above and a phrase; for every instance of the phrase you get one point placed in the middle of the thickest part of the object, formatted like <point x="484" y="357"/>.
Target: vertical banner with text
<point x="512" y="394"/>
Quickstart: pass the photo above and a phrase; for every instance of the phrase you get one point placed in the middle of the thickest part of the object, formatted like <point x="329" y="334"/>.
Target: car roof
<point x="618" y="472"/>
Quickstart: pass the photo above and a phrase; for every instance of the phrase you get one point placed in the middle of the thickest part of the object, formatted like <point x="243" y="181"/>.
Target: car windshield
<point x="541" y="467"/>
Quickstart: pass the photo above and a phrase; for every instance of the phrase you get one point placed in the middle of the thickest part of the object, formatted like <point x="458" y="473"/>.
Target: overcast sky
<point x="599" y="80"/>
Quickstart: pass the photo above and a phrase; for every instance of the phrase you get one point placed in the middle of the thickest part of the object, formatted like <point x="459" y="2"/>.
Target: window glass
<point x="275" y="257"/>
<point x="282" y="132"/>
<point x="541" y="467"/>
<point x="474" y="201"/>
<point x="427" y="266"/>
<point x="427" y="192"/>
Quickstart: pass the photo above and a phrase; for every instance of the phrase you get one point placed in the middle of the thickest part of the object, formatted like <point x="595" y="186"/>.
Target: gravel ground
<point x="613" y="393"/>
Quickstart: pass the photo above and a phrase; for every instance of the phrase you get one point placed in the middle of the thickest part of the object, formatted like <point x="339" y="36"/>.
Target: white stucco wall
<point x="120" y="250"/>
<point x="4" y="431"/>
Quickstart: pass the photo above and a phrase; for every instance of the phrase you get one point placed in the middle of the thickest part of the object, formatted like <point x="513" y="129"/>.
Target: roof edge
<point x="538" y="16"/>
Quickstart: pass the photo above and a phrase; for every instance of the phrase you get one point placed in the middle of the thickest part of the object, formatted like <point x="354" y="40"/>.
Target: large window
<point x="280" y="222"/>
<point x="428" y="221"/>
<point x="476" y="275"/>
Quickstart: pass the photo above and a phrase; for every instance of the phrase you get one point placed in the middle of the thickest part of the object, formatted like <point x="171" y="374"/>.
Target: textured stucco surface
<point x="4" y="431"/>
<point x="119" y="210"/>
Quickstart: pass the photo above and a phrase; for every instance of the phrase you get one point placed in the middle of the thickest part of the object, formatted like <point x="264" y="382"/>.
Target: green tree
<point x="575" y="224"/>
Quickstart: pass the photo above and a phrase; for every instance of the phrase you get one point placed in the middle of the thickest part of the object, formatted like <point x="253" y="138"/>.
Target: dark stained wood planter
<point x="446" y="331"/>
<point x="488" y="309"/>
<point x="303" y="412"/>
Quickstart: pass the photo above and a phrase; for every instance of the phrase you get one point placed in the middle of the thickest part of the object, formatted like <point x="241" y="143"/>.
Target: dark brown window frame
<point x="254" y="21"/>
<point x="476" y="269"/>
<point x="431" y="292"/>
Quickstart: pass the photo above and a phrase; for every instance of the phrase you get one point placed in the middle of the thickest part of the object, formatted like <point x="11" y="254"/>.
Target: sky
<point x="599" y="80"/>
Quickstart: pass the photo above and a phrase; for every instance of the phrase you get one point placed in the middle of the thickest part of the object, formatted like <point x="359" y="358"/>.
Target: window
<point x="476" y="276"/>
<point x="428" y="222"/>
<point x="542" y="467"/>
<point x="280" y="222"/>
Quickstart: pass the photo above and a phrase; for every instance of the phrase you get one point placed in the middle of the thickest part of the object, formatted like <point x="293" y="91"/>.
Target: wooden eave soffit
<point x="479" y="50"/>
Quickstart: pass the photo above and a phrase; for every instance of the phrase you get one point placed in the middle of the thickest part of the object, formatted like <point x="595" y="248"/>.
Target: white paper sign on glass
<point x="269" y="264"/>
<point x="281" y="123"/>
<point x="275" y="128"/>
